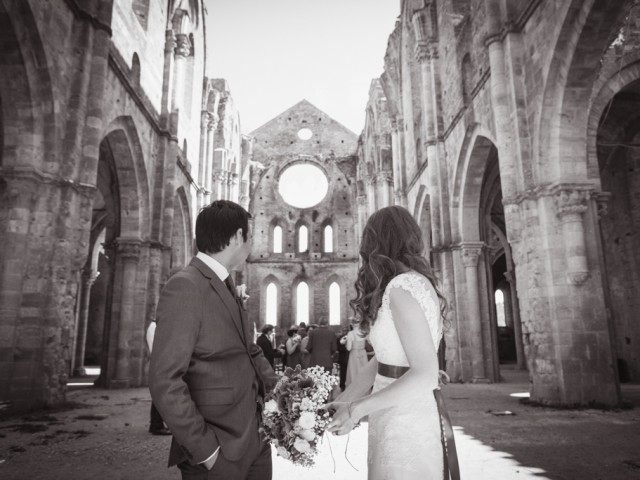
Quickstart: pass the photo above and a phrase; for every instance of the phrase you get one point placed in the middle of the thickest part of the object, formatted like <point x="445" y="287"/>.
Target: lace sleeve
<point x="417" y="288"/>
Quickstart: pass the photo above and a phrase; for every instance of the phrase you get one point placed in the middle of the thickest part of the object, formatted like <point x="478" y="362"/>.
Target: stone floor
<point x="102" y="434"/>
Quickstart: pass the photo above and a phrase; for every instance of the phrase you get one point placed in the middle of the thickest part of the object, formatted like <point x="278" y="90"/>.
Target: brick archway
<point x="560" y="139"/>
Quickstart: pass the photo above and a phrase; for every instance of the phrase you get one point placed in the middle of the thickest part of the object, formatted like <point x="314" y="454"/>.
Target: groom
<point x="207" y="377"/>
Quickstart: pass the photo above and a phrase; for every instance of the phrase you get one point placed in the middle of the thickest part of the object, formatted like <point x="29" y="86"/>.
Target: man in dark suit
<point x="206" y="376"/>
<point x="322" y="345"/>
<point x="264" y="342"/>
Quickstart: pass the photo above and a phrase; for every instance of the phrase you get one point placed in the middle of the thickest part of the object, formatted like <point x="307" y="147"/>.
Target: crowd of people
<point x="344" y="353"/>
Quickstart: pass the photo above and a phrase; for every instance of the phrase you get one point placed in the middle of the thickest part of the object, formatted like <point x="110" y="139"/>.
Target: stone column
<point x="470" y="256"/>
<point x="371" y="193"/>
<point x="361" y="201"/>
<point x="182" y="51"/>
<point x="129" y="255"/>
<point x="88" y="278"/>
<point x="517" y="322"/>
<point x="384" y="181"/>
<point x="571" y="206"/>
<point x="212" y="125"/>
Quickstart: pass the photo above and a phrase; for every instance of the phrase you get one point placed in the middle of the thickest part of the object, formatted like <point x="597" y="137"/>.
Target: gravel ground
<point x="102" y="434"/>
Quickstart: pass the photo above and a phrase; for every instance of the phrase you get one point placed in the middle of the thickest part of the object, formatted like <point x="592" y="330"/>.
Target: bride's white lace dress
<point x="404" y="441"/>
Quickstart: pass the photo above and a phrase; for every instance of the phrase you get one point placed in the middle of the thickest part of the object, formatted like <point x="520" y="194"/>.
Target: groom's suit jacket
<point x="206" y="374"/>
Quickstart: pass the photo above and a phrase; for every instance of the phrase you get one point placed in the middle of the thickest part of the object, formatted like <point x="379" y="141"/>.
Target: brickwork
<point x="530" y="80"/>
<point x="276" y="147"/>
<point x="102" y="107"/>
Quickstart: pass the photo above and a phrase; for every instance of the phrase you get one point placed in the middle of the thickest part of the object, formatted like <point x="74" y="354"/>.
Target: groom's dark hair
<point x="217" y="223"/>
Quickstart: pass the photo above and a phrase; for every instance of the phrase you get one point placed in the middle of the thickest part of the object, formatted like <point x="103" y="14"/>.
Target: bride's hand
<point x="342" y="421"/>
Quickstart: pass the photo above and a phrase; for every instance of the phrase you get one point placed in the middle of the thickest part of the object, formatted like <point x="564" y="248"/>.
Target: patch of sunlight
<point x="92" y="370"/>
<point x="79" y="384"/>
<point x="520" y="395"/>
<point x="477" y="460"/>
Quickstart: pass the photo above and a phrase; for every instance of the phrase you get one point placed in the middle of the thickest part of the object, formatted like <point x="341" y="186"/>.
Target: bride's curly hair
<point x="391" y="238"/>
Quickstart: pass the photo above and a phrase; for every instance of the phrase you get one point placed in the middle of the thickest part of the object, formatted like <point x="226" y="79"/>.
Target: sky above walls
<point x="274" y="53"/>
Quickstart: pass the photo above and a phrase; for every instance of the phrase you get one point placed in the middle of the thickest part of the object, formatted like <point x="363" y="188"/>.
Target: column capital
<point x="602" y="202"/>
<point x="471" y="254"/>
<point x="509" y="275"/>
<point x="128" y="248"/>
<point x="370" y="179"/>
<point x="422" y="52"/>
<point x="385" y="176"/>
<point x="183" y="45"/>
<point x="571" y="203"/>
<point x="169" y="41"/>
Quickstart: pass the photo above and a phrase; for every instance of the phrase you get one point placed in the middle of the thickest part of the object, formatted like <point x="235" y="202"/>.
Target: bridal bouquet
<point x="292" y="416"/>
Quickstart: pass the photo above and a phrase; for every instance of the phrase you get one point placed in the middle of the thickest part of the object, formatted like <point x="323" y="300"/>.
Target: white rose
<point x="271" y="407"/>
<point x="306" y="404"/>
<point x="302" y="445"/>
<point x="308" y="435"/>
<point x="307" y="420"/>
<point x="283" y="452"/>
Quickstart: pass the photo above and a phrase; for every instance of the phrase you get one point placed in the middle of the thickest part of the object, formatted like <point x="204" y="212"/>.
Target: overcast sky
<point x="274" y="53"/>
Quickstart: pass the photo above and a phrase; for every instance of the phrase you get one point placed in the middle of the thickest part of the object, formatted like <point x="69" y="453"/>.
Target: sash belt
<point x="451" y="467"/>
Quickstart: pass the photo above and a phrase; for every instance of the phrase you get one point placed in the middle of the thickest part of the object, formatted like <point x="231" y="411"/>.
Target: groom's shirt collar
<point x="214" y="265"/>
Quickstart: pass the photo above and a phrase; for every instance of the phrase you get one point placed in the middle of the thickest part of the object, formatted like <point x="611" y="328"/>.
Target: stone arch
<point x="122" y="140"/>
<point x="264" y="284"/>
<point x="301" y="226"/>
<point x="584" y="35"/>
<point x="342" y="298"/>
<point x="277" y="222"/>
<point x="180" y="231"/>
<point x="327" y="247"/>
<point x="303" y="278"/>
<point x="26" y="90"/>
<point x="604" y="95"/>
<point x="467" y="184"/>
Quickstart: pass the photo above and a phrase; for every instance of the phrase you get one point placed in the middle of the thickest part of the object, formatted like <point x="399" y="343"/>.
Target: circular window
<point x="304" y="134"/>
<point x="303" y="185"/>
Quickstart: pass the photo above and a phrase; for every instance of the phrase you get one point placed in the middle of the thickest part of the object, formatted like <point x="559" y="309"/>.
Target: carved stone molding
<point x="571" y="203"/>
<point x="577" y="278"/>
<point x="385" y="177"/>
<point x="128" y="249"/>
<point x="510" y="276"/>
<point x="183" y="45"/>
<point x="602" y="202"/>
<point x="471" y="254"/>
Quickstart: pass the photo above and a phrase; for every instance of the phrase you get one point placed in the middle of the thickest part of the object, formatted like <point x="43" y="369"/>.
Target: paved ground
<point x="102" y="434"/>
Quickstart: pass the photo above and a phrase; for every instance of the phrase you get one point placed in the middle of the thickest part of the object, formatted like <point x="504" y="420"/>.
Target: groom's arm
<point x="178" y="324"/>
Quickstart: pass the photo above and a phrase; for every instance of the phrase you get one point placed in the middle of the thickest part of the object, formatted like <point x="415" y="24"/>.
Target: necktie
<point x="231" y="286"/>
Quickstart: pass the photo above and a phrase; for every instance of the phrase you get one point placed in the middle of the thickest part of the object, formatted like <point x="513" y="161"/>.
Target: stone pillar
<point x="361" y="201"/>
<point x="212" y="125"/>
<point x="182" y="51"/>
<point x="129" y="255"/>
<point x="371" y="193"/>
<point x="88" y="278"/>
<point x="470" y="256"/>
<point x="571" y="206"/>
<point x="384" y="181"/>
<point x="517" y="322"/>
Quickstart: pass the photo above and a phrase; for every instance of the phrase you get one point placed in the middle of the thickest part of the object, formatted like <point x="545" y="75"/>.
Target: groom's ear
<point x="239" y="237"/>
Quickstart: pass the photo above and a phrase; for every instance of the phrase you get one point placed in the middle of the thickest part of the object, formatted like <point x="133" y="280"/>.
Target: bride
<point x="398" y="304"/>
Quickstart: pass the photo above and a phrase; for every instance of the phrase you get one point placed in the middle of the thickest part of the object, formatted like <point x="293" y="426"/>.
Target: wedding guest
<point x="322" y="345"/>
<point x="302" y="330"/>
<point x="343" y="357"/>
<point x="304" y="353"/>
<point x="358" y="359"/>
<point x="264" y="341"/>
<point x="293" y="348"/>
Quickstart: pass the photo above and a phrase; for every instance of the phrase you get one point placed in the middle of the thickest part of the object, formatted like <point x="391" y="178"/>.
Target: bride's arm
<point x="360" y="385"/>
<point x="415" y="336"/>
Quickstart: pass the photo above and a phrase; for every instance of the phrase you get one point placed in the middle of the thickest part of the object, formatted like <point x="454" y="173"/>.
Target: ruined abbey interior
<point x="509" y="129"/>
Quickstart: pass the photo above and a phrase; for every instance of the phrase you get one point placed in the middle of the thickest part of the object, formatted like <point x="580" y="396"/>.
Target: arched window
<point x="499" y="298"/>
<point x="303" y="238"/>
<point x="135" y="69"/>
<point x="272" y="305"/>
<point x="277" y="239"/>
<point x="302" y="303"/>
<point x="328" y="239"/>
<point x="334" y="304"/>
